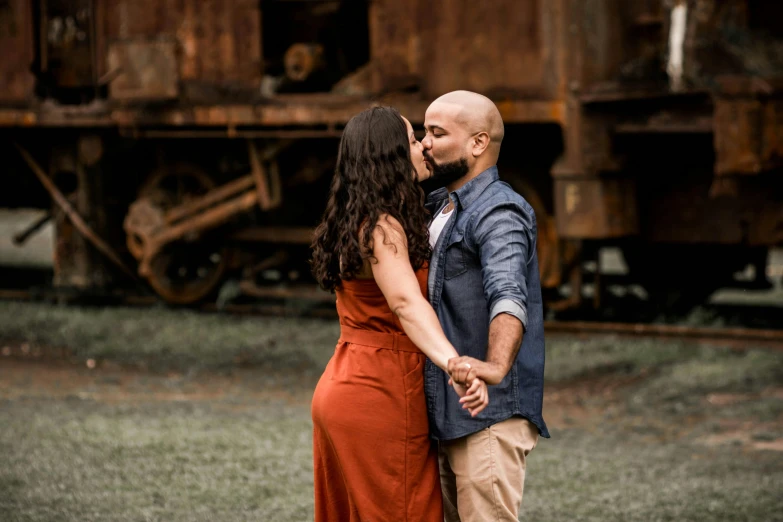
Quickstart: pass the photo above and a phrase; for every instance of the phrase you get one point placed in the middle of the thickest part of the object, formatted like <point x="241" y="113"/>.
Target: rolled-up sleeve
<point x="505" y="236"/>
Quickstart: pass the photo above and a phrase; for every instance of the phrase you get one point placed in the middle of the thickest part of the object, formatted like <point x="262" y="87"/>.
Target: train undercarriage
<point x="188" y="153"/>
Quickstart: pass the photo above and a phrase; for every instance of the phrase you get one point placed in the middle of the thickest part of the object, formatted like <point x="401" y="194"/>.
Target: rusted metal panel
<point x="767" y="227"/>
<point x="68" y="44"/>
<point x="595" y="41"/>
<point x="395" y="44"/>
<point x="721" y="37"/>
<point x="748" y="126"/>
<point x="77" y="261"/>
<point x="16" y="42"/>
<point x="588" y="144"/>
<point x="595" y="208"/>
<point x="218" y="42"/>
<point x="689" y="213"/>
<point x="507" y="50"/>
<point x="591" y="47"/>
<point x="145" y="70"/>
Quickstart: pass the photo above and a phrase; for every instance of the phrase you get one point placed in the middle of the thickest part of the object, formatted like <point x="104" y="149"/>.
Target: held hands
<point x="470" y="377"/>
<point x="473" y="397"/>
<point x="464" y="369"/>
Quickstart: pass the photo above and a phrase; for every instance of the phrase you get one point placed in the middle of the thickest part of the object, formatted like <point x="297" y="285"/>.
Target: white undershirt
<point x="436" y="227"/>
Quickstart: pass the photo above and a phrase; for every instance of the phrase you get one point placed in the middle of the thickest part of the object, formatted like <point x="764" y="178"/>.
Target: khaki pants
<point x="482" y="475"/>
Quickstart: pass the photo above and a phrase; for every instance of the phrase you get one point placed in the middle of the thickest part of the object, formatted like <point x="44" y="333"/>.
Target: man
<point x="484" y="285"/>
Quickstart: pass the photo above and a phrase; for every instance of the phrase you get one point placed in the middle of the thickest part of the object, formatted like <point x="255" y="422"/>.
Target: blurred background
<point x="163" y="164"/>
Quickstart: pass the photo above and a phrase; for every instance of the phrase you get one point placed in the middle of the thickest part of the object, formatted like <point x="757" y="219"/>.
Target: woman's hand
<point x="473" y="398"/>
<point x="464" y="369"/>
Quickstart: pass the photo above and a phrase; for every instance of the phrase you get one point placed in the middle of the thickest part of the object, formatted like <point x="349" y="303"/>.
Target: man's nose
<point x="426" y="142"/>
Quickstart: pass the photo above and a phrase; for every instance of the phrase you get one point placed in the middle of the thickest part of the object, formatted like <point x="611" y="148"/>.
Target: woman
<point x="373" y="458"/>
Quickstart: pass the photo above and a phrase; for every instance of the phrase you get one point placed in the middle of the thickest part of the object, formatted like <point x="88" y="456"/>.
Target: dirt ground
<point x="583" y="403"/>
<point x="640" y="430"/>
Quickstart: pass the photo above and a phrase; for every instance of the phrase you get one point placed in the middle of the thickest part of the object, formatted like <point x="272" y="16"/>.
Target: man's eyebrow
<point x="433" y="127"/>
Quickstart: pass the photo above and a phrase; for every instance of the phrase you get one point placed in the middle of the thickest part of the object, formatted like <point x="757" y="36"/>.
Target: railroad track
<point x="733" y="337"/>
<point x="738" y="338"/>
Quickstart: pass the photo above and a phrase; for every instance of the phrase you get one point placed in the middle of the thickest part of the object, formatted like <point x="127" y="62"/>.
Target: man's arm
<point x="505" y="338"/>
<point x="505" y="236"/>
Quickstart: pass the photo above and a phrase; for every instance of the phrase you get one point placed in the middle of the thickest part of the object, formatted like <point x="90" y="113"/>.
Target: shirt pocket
<point x="455" y="264"/>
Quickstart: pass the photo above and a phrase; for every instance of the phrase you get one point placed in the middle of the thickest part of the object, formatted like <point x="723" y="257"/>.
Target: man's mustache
<point x="428" y="157"/>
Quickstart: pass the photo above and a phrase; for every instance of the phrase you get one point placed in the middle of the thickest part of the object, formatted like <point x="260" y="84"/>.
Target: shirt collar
<point x="470" y="191"/>
<point x="435" y="197"/>
<point x="467" y="193"/>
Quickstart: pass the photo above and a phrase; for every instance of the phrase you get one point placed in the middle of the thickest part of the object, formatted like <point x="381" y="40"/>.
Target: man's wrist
<point x="494" y="372"/>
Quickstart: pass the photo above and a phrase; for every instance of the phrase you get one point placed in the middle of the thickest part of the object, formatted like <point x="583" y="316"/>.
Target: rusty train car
<point x="182" y="142"/>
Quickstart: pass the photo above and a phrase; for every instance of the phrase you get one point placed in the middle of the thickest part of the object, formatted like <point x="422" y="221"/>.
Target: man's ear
<point x="480" y="143"/>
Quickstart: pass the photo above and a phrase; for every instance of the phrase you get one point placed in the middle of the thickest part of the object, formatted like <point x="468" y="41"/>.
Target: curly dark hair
<point x="374" y="176"/>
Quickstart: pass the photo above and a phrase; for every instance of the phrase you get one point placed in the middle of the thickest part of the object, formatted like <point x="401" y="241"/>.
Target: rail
<point x="738" y="338"/>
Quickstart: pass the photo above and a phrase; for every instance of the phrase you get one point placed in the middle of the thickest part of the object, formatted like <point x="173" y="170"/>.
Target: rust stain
<point x="16" y="41"/>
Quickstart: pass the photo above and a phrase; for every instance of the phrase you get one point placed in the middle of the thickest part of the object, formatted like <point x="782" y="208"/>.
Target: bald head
<point x="476" y="112"/>
<point x="464" y="132"/>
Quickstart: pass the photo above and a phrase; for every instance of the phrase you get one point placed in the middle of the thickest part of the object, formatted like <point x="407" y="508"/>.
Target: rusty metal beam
<point x="303" y="110"/>
<point x="21" y="238"/>
<point x="696" y="126"/>
<point x="209" y="199"/>
<point x="208" y="219"/>
<point x="71" y="213"/>
<point x="259" y="175"/>
<point x="231" y="133"/>
<point x="610" y="93"/>
<point x="288" y="235"/>
<point x="310" y="293"/>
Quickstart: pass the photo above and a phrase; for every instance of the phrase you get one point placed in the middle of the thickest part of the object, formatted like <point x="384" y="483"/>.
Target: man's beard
<point x="444" y="174"/>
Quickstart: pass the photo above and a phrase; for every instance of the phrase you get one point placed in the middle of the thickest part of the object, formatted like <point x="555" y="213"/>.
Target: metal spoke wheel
<point x="189" y="270"/>
<point x="186" y="273"/>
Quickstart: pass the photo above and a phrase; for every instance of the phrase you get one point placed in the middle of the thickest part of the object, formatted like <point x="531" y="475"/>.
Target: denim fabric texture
<point x="485" y="264"/>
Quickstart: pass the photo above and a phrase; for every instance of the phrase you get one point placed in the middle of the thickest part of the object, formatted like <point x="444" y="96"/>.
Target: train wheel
<point x="186" y="271"/>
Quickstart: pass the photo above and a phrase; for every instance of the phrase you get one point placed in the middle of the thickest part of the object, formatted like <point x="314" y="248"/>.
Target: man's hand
<point x="465" y="369"/>
<point x="473" y="398"/>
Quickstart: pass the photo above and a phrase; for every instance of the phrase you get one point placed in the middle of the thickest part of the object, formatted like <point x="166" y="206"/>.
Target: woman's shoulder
<point x="389" y="227"/>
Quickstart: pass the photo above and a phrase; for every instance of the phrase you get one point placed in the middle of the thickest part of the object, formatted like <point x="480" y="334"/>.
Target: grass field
<point x="197" y="417"/>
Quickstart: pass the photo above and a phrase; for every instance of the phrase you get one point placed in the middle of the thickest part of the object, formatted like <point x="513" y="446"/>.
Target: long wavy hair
<point x="374" y="176"/>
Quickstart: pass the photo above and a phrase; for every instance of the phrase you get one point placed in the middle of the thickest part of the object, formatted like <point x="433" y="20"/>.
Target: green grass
<point x="86" y="461"/>
<point x="164" y="339"/>
<point x="76" y="460"/>
<point x="570" y="358"/>
<point x="619" y="476"/>
<point x="245" y="453"/>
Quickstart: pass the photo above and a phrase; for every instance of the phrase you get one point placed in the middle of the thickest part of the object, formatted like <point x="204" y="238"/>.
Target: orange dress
<point x="373" y="458"/>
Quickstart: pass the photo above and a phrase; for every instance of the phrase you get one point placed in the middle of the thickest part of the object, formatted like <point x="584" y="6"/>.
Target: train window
<point x="65" y="50"/>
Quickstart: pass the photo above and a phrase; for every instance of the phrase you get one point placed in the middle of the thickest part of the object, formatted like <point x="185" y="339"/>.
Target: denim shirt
<point x="484" y="264"/>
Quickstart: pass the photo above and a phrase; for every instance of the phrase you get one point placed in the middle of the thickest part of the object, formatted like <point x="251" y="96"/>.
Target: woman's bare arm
<point x="395" y="277"/>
